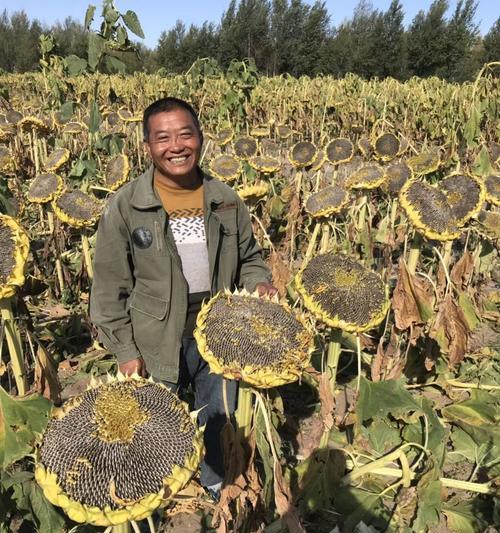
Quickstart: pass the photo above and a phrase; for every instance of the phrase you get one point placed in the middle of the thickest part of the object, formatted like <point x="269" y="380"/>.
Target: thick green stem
<point x="243" y="414"/>
<point x="122" y="528"/>
<point x="325" y="237"/>
<point x="312" y="243"/>
<point x="447" y="249"/>
<point x="414" y="254"/>
<point x="13" y="336"/>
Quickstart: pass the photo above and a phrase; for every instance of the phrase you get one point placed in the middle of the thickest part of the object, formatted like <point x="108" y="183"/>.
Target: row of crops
<point x="376" y="204"/>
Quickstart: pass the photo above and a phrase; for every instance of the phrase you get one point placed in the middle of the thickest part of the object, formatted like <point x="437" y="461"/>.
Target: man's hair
<point x="164" y="105"/>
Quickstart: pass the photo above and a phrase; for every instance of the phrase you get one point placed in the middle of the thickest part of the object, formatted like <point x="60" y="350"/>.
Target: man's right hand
<point x="134" y="365"/>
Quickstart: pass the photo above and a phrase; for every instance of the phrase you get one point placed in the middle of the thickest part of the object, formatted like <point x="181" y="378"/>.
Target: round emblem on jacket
<point x="142" y="237"/>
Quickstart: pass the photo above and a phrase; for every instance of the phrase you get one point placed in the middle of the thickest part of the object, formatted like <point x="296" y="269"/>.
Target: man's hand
<point x="266" y="288"/>
<point x="134" y="365"/>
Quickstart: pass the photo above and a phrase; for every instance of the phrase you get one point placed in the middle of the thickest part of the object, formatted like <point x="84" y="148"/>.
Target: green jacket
<point x="139" y="293"/>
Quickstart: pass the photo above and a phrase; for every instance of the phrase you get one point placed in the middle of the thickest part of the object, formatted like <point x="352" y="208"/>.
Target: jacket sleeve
<point x="112" y="285"/>
<point x="252" y="269"/>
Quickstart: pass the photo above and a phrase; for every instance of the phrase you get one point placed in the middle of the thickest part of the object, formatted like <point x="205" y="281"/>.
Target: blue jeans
<point x="207" y="388"/>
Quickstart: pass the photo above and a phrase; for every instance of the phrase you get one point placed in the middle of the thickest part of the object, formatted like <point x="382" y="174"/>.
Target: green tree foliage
<point x="491" y="44"/>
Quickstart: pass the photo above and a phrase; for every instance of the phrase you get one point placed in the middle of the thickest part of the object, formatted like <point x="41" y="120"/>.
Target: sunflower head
<point x="365" y="146"/>
<point x="77" y="208"/>
<point x="284" y="132"/>
<point x="327" y="201"/>
<point x="425" y="163"/>
<point x="117" y="451"/>
<point x="264" y="164"/>
<point x="428" y="210"/>
<point x="224" y="136"/>
<point x="245" y="147"/>
<point x="269" y="148"/>
<point x="492" y="184"/>
<point x="368" y="176"/>
<point x="386" y="146"/>
<point x="465" y="195"/>
<point x="32" y="123"/>
<point x="302" y="154"/>
<point x="74" y="128"/>
<point x="56" y="159"/>
<point x="117" y="172"/>
<point x="262" y="130"/>
<point x="14" y="248"/>
<point x="253" y="192"/>
<point x="45" y="188"/>
<point x="258" y="340"/>
<point x="343" y="293"/>
<point x="225" y="167"/>
<point x="339" y="150"/>
<point x="396" y="175"/>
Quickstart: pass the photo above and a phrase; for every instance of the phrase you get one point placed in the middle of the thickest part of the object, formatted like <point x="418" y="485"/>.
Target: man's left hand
<point x="266" y="288"/>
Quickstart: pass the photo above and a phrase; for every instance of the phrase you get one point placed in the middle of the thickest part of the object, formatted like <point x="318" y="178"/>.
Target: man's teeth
<point x="178" y="159"/>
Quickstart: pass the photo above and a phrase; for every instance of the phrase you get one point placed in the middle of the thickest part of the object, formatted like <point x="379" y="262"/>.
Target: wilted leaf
<point x="283" y="501"/>
<point x="132" y="22"/>
<point x="95" y="118"/>
<point x="450" y="330"/>
<point x="379" y="399"/>
<point x="467" y="306"/>
<point x="472" y="412"/>
<point x="429" y="500"/>
<point x="22" y="421"/>
<point x="462" y="271"/>
<point x="388" y="363"/>
<point x="279" y="270"/>
<point x="46" y="380"/>
<point x="412" y="300"/>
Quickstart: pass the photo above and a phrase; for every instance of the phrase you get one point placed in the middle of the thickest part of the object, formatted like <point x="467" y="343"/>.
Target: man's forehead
<point x="172" y="118"/>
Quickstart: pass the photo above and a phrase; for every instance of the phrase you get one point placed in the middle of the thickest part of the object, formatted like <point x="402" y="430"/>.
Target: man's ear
<point x="146" y="148"/>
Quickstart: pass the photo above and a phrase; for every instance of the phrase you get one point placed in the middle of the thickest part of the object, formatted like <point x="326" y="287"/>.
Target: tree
<point x="391" y="50"/>
<point x="169" y="46"/>
<point x="428" y="41"/>
<point x="491" y="44"/>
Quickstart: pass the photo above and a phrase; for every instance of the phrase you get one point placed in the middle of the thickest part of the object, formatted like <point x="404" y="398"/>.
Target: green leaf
<point x="110" y="14"/>
<point x="382" y="436"/>
<point x="265" y="455"/>
<point x="482" y="164"/>
<point x="46" y="516"/>
<point x="429" y="500"/>
<point x="95" y="118"/>
<point x="113" y="64"/>
<point x="132" y="22"/>
<point x="381" y="398"/>
<point x="75" y="65"/>
<point x="471" y="129"/>
<point x="95" y="49"/>
<point x="22" y="421"/>
<point x="66" y="110"/>
<point x="318" y="479"/>
<point x="468" y="517"/>
<point x="89" y="16"/>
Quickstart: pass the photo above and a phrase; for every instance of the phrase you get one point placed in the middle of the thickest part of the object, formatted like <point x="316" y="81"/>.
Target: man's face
<point x="174" y="145"/>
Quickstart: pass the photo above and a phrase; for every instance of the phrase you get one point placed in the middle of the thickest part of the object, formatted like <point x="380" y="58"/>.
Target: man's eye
<point x="186" y="135"/>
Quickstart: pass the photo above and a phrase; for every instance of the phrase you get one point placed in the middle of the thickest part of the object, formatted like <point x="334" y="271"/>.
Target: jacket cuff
<point x="251" y="283"/>
<point x="125" y="352"/>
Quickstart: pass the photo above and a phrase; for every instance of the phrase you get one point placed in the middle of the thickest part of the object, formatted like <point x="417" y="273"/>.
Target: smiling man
<point x="166" y="241"/>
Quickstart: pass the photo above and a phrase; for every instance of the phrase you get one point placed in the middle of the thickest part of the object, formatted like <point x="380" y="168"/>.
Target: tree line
<point x="291" y="37"/>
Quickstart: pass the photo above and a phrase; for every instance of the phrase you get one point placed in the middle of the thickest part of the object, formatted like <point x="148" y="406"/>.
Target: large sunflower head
<point x="343" y="293"/>
<point x="253" y="192"/>
<point x="327" y="201"/>
<point x="465" y="195"/>
<point x="488" y="224"/>
<point x="425" y="163"/>
<point x="245" y="147"/>
<point x="262" y="130"/>
<point x="269" y="148"/>
<point x="387" y="146"/>
<point x="77" y="208"/>
<point x="339" y="150"/>
<point x="284" y="132"/>
<point x="365" y="146"/>
<point x="56" y="159"/>
<point x="368" y="176"/>
<point x="429" y="210"/>
<point x="302" y="154"/>
<point x="117" y="451"/>
<point x="492" y="184"/>
<point x="14" y="248"/>
<point x="225" y="167"/>
<point x="32" y="123"/>
<point x="258" y="340"/>
<point x="74" y="128"/>
<point x="224" y="136"/>
<point x="45" y="188"/>
<point x="117" y="172"/>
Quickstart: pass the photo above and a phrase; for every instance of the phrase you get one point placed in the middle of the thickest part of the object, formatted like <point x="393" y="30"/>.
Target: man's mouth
<point x="178" y="160"/>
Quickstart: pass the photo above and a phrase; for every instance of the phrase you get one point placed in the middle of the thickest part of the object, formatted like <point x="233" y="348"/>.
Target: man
<point x="166" y="241"/>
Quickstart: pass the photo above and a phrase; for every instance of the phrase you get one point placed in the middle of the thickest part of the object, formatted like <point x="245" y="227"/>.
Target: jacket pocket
<point x="148" y="315"/>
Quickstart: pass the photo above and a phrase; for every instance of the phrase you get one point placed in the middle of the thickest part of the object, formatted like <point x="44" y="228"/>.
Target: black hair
<point x="165" y="105"/>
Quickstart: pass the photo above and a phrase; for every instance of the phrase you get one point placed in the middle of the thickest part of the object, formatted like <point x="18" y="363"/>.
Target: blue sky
<point x="156" y="16"/>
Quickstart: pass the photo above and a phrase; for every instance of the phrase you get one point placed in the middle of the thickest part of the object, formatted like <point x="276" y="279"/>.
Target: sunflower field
<point x="369" y="391"/>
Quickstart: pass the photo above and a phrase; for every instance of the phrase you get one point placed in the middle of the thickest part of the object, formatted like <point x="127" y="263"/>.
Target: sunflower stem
<point x="414" y="254"/>
<point x="122" y="528"/>
<point x="312" y="243"/>
<point x="325" y="237"/>
<point x="332" y="363"/>
<point x="86" y="255"/>
<point x="13" y="336"/>
<point x="244" y="411"/>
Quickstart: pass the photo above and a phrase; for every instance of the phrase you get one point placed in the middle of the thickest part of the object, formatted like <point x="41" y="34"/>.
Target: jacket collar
<point x="144" y="196"/>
